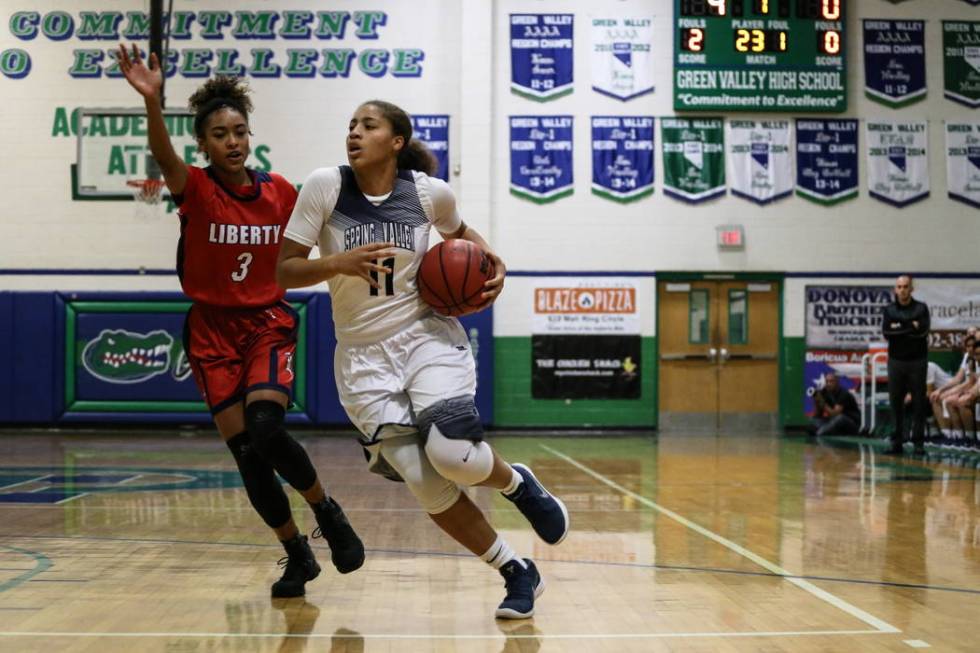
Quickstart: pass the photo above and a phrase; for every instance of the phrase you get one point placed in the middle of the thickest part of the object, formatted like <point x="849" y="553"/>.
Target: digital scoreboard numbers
<point x="760" y="55"/>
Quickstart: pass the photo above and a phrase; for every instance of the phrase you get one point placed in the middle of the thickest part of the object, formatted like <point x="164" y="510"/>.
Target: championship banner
<point x="845" y="317"/>
<point x="694" y="158"/>
<point x="621" y="62"/>
<point x="433" y="130"/>
<point x="827" y="160"/>
<point x="963" y="162"/>
<point x="898" y="162"/>
<point x="622" y="157"/>
<point x="894" y="61"/>
<point x="541" y="157"/>
<point x="541" y="55"/>
<point x="760" y="159"/>
<point x="585" y="339"/>
<point x="961" y="61"/>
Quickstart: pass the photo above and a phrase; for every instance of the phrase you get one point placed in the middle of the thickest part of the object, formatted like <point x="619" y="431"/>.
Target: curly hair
<point x="216" y="93"/>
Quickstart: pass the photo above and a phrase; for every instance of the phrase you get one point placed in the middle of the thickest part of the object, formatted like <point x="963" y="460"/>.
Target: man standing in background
<point x="905" y="324"/>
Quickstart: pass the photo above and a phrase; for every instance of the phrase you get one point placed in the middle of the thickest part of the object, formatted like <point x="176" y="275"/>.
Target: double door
<point x="719" y="355"/>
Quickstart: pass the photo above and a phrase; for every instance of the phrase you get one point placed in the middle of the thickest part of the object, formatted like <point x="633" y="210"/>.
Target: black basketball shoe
<point x="300" y="568"/>
<point x="346" y="549"/>
<point x="523" y="586"/>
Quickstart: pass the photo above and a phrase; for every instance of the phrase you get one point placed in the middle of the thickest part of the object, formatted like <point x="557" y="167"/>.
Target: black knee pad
<point x="457" y="419"/>
<point x="263" y="488"/>
<point x="264" y="421"/>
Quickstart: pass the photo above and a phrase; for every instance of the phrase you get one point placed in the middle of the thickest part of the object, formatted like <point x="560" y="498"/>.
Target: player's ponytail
<point x="217" y="93"/>
<point x="414" y="155"/>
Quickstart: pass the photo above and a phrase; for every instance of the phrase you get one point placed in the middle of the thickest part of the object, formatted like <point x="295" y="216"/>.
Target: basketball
<point x="452" y="275"/>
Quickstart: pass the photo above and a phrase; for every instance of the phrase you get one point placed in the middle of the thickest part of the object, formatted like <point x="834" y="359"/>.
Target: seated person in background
<point x="936" y="379"/>
<point x="961" y="404"/>
<point x="940" y="396"/>
<point x="837" y="411"/>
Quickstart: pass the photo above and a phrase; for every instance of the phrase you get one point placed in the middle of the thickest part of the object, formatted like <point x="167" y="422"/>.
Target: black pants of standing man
<point x="906" y="377"/>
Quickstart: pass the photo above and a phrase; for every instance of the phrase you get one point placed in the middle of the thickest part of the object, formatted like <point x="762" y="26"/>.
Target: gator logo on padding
<point x="120" y="356"/>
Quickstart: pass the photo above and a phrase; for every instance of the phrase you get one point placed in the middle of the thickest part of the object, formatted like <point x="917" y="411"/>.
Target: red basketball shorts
<point x="233" y="351"/>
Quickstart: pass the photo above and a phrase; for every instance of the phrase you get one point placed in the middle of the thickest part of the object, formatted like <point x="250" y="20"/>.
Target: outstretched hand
<point x="147" y="80"/>
<point x="362" y="261"/>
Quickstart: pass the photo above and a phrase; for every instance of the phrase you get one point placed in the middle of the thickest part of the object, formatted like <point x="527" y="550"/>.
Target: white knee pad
<point x="434" y="492"/>
<point x="463" y="461"/>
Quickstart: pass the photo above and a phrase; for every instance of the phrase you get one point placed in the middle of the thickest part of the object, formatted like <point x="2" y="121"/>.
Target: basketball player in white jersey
<point x="405" y="374"/>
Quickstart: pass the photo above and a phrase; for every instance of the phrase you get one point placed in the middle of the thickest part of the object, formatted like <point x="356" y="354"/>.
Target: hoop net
<point x="147" y="191"/>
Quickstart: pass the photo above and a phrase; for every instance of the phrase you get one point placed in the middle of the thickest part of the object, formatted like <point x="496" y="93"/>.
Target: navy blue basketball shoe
<point x="523" y="586"/>
<point x="547" y="514"/>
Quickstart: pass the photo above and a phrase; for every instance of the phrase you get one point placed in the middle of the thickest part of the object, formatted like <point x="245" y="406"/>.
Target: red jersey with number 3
<point x="230" y="236"/>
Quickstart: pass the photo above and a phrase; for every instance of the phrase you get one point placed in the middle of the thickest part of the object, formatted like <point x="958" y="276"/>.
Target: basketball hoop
<point x="146" y="195"/>
<point x="147" y="191"/>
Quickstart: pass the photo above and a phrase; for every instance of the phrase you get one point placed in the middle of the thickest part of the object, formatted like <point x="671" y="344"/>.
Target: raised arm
<point x="148" y="80"/>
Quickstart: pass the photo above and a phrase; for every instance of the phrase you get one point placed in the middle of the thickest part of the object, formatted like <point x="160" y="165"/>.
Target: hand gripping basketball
<point x="452" y="275"/>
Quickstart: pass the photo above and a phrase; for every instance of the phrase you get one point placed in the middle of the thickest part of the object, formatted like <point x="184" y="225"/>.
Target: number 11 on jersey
<point x="389" y="277"/>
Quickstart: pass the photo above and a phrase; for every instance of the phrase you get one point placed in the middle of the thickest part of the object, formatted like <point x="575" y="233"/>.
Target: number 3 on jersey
<point x="245" y="260"/>
<point x="389" y="277"/>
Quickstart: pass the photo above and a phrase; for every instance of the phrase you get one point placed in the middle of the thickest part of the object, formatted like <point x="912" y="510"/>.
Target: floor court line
<point x="435" y="636"/>
<point x="450" y="554"/>
<point x="805" y="585"/>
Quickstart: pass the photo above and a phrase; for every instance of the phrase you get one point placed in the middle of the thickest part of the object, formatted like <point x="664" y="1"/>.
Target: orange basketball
<point x="452" y="275"/>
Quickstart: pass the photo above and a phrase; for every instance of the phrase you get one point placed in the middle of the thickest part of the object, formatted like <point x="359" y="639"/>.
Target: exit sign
<point x="731" y="236"/>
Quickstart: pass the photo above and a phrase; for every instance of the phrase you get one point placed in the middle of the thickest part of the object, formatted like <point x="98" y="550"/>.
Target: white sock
<point x="500" y="554"/>
<point x="515" y="482"/>
<point x="948" y="433"/>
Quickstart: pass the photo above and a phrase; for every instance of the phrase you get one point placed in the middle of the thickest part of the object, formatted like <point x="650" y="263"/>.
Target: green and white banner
<point x="694" y="158"/>
<point x="760" y="160"/>
<point x="961" y="61"/>
<point x="898" y="162"/>
<point x="963" y="162"/>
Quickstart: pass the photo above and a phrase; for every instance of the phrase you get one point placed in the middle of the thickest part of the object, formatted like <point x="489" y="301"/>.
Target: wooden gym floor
<point x="146" y="542"/>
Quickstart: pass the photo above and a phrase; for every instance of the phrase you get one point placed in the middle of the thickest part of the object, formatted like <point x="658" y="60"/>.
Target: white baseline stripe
<point x="584" y="636"/>
<point x="805" y="585"/>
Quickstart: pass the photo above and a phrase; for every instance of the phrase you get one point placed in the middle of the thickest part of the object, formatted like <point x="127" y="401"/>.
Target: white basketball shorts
<point x="390" y="382"/>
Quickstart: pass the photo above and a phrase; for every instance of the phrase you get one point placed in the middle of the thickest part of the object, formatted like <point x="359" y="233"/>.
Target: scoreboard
<point x="760" y="55"/>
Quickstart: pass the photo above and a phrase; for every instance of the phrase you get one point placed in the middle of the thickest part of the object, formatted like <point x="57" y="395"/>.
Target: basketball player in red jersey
<point x="405" y="374"/>
<point x="240" y="335"/>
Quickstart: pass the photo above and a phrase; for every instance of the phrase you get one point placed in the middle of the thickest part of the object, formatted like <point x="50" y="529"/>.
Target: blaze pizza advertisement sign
<point x="585" y="341"/>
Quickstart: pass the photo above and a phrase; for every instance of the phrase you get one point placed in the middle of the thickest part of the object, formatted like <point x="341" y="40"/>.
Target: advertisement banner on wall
<point x="961" y="61"/>
<point x="694" y="158"/>
<point x="827" y="160"/>
<point x="586" y="306"/>
<point x="963" y="162"/>
<point x="895" y="61"/>
<point x="760" y="159"/>
<point x="820" y="362"/>
<point x="585" y="367"/>
<point x="622" y="67"/>
<point x="622" y="157"/>
<point x="541" y="61"/>
<point x="844" y="317"/>
<point x="541" y="157"/>
<point x="433" y="130"/>
<point x="849" y="317"/>
<point x="585" y="339"/>
<point x="898" y="162"/>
